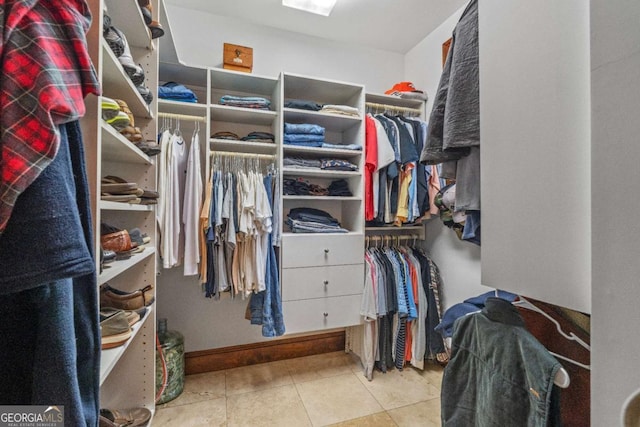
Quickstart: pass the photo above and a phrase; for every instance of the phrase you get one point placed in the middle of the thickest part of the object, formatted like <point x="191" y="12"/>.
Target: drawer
<point x="304" y="250"/>
<point x="320" y="282"/>
<point x="321" y="313"/>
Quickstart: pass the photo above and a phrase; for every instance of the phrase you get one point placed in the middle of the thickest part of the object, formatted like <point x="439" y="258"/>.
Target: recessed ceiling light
<point x="319" y="7"/>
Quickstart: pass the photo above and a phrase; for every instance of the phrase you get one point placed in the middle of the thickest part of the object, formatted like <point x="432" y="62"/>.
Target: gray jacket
<point x="499" y="374"/>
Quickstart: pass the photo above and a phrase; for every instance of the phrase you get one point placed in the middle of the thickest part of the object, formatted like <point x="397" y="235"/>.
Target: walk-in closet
<point x="319" y="213"/>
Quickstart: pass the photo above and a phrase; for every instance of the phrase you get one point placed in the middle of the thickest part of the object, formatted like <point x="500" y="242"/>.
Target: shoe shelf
<point x="116" y="84"/>
<point x="242" y="146"/>
<point x="116" y="268"/>
<point x="107" y="205"/>
<point x="331" y="121"/>
<point x="127" y="17"/>
<point x="110" y="357"/>
<point x="117" y="148"/>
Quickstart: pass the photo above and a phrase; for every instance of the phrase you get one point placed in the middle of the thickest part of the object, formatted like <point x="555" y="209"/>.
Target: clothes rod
<point x="182" y="117"/>
<point x="385" y="107"/>
<point x="242" y="155"/>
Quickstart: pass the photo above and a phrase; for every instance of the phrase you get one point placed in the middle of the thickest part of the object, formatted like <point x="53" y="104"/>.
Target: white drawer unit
<point x="321" y="282"/>
<point x="321" y="313"/>
<point x="304" y="250"/>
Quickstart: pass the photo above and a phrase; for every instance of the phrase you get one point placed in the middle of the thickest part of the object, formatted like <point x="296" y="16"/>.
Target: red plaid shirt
<point x="46" y="73"/>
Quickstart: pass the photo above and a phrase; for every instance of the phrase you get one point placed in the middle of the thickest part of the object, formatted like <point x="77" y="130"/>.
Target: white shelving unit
<point x="109" y="153"/>
<point x="380" y="103"/>
<point x="333" y="261"/>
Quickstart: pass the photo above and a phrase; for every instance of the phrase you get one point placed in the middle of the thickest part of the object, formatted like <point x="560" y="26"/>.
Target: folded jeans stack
<point x="340" y="187"/>
<point x="304" y="134"/>
<point x="301" y="163"/>
<point x="300" y="187"/>
<point x="246" y="102"/>
<point x="310" y="220"/>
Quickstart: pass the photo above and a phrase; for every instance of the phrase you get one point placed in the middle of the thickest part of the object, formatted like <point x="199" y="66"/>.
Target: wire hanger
<point x="570" y="336"/>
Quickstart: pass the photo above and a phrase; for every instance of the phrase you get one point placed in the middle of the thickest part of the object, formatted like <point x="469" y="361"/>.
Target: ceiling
<point x="395" y="26"/>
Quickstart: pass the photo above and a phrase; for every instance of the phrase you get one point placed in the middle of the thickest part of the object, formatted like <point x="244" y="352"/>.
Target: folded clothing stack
<point x="302" y="104"/>
<point x="226" y="135"/>
<point x="338" y="165"/>
<point x="176" y="92"/>
<point x="246" y="102"/>
<point x="301" y="187"/>
<point x="344" y="110"/>
<point x="259" y="137"/>
<point x="353" y="147"/>
<point x="304" y="134"/>
<point x="310" y="220"/>
<point x="340" y="187"/>
<point x="301" y="163"/>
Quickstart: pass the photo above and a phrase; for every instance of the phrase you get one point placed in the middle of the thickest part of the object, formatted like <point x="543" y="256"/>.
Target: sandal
<point x="122" y="105"/>
<point x="135" y="417"/>
<point x="133" y="134"/>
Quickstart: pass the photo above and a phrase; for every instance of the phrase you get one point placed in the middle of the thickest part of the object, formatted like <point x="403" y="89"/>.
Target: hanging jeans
<point x="266" y="306"/>
<point x="49" y="301"/>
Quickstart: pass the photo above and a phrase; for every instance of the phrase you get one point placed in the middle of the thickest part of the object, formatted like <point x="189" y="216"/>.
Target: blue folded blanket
<point x="177" y="92"/>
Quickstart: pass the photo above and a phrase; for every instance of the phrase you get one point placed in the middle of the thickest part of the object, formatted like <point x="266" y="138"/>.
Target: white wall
<point x="199" y="39"/>
<point x="615" y="94"/>
<point x="459" y="262"/>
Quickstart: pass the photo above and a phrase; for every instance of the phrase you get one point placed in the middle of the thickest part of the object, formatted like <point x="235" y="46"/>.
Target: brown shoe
<point x="112" y="297"/>
<point x="120" y="241"/>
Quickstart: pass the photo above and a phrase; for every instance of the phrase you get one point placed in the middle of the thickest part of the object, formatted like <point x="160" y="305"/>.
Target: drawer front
<point x="320" y="282"/>
<point x="321" y="313"/>
<point x="304" y="250"/>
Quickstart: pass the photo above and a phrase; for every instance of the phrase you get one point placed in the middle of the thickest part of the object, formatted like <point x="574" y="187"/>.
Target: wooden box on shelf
<point x="238" y="58"/>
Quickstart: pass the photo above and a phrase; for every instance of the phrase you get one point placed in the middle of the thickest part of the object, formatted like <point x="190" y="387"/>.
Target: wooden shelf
<point x="187" y="108"/>
<point x="320" y="152"/>
<point x="242" y="146"/>
<point x="107" y="205"/>
<point x="320" y="173"/>
<point x="323" y="198"/>
<point x="331" y="122"/>
<point x="127" y="17"/>
<point x="229" y="81"/>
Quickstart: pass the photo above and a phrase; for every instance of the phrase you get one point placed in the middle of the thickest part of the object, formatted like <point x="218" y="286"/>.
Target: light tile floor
<point x="322" y="390"/>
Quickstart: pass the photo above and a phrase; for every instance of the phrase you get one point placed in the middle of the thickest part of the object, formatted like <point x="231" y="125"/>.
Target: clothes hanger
<point x="562" y="377"/>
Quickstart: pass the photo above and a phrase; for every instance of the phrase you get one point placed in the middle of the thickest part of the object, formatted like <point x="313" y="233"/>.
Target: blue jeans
<point x="49" y="302"/>
<point x="266" y="306"/>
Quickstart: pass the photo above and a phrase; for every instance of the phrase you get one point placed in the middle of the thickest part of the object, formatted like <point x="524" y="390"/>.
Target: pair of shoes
<point x="117" y="240"/>
<point x="116" y="298"/>
<point x="150" y="148"/>
<point x="132" y="417"/>
<point x="133" y="316"/>
<point x="145" y="93"/>
<point x="147" y="13"/>
<point x="112" y="35"/>
<point x="117" y="41"/>
<point x="113" y="114"/>
<point x="115" y="329"/>
<point x="133" y="134"/>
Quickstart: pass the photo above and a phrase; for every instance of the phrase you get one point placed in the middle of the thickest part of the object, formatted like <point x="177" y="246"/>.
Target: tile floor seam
<point x="306" y="411"/>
